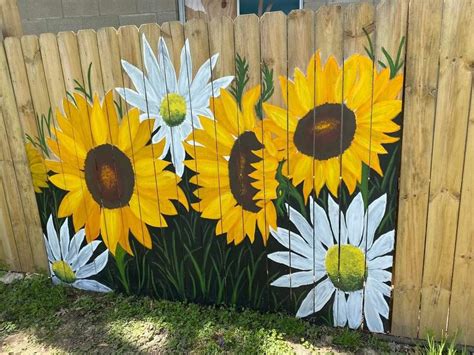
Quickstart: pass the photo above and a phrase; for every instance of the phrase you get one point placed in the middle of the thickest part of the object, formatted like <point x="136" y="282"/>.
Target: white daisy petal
<point x="316" y="299"/>
<point x="296" y="262"/>
<point x="91" y="285"/>
<point x="375" y="306"/>
<point x="380" y="275"/>
<point x="298" y="244"/>
<point x="219" y="84"/>
<point x="382" y="245"/>
<point x="203" y="75"/>
<point x="340" y="309"/>
<point x="186" y="70"/>
<point x="344" y="232"/>
<point x="153" y="70"/>
<point x="64" y="239"/>
<point x="53" y="239"/>
<point x="133" y="98"/>
<point x="85" y="254"/>
<point x="296" y="279"/>
<point x="48" y="250"/>
<point x="354" y="309"/>
<point x="178" y="154"/>
<point x="320" y="222"/>
<point x="379" y="286"/>
<point x="301" y="224"/>
<point x="382" y="262"/>
<point x="55" y="279"/>
<point x="333" y="213"/>
<point x="94" y="267"/>
<point x="376" y="211"/>
<point x="75" y="246"/>
<point x="136" y="75"/>
<point x="166" y="64"/>
<point x="355" y="219"/>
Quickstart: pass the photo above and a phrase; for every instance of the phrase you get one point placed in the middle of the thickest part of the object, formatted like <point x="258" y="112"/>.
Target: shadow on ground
<point x="37" y="317"/>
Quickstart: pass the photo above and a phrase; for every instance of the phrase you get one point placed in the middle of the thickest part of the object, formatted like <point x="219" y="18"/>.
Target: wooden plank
<point x="22" y="204"/>
<point x="273" y="39"/>
<point x="9" y="257"/>
<point x="10" y="20"/>
<point x="21" y="87"/>
<point x="107" y="41"/>
<point x="329" y="32"/>
<point x="274" y="55"/>
<point x="424" y="28"/>
<point x="90" y="58"/>
<point x="461" y="309"/>
<point x="173" y="34"/>
<point x="389" y="38"/>
<point x="52" y="70"/>
<point x="70" y="60"/>
<point x="246" y="35"/>
<point x="452" y="110"/>
<point x="301" y="47"/>
<point x="221" y="40"/>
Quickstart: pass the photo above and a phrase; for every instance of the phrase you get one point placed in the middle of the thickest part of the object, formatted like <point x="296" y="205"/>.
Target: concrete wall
<point x="40" y="16"/>
<point x="316" y="4"/>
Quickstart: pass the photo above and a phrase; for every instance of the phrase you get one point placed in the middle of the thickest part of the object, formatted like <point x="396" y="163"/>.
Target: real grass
<point x="70" y="320"/>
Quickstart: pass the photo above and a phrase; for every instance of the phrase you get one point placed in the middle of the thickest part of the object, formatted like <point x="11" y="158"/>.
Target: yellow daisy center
<point x="326" y="131"/>
<point x="63" y="271"/>
<point x="349" y="274"/>
<point x="109" y="176"/>
<point x="240" y="168"/>
<point x="173" y="109"/>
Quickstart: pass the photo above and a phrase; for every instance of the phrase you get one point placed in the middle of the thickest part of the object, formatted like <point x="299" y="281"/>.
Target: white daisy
<point x="360" y="281"/>
<point x="68" y="261"/>
<point x="174" y="102"/>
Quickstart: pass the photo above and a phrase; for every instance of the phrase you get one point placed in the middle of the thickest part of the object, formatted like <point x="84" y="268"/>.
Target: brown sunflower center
<point x="318" y="134"/>
<point x="240" y="168"/>
<point x="109" y="176"/>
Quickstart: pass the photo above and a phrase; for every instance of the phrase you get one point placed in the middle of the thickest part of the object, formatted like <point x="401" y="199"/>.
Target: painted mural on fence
<point x="193" y="187"/>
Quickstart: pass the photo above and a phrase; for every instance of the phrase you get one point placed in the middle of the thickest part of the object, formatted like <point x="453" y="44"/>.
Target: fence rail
<point x="266" y="176"/>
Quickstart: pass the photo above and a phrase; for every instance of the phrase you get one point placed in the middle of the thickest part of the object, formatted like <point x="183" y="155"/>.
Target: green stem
<point x="364" y="185"/>
<point x="120" y="262"/>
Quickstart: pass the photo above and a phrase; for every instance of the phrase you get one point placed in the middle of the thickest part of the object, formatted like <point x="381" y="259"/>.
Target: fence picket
<point x="424" y="31"/>
<point x="452" y="111"/>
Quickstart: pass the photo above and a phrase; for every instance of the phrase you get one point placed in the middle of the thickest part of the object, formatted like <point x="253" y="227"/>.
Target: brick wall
<point x="40" y="16"/>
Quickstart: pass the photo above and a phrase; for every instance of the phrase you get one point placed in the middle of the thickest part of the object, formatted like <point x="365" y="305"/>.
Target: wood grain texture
<point x="424" y="31"/>
<point x="90" y="58"/>
<point x="173" y="34"/>
<point x="70" y="60"/>
<point x="10" y="20"/>
<point x="274" y="48"/>
<point x="19" y="187"/>
<point x="461" y="309"/>
<point x="221" y="40"/>
<point x="452" y="110"/>
<point x="247" y="44"/>
<point x="329" y="32"/>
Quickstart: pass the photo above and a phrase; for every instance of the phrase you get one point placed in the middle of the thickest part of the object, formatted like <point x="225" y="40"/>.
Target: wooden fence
<point x="281" y="192"/>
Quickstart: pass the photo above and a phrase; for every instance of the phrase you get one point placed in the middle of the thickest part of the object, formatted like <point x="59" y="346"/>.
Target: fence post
<point x="10" y="20"/>
<point x="22" y="238"/>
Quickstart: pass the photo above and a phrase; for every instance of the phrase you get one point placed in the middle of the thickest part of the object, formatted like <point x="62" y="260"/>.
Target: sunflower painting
<point x="335" y="112"/>
<point x="111" y="173"/>
<point x="207" y="188"/>
<point x="38" y="170"/>
<point x="236" y="185"/>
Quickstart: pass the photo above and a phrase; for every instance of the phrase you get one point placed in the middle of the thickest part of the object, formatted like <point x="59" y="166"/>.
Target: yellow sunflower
<point x="318" y="107"/>
<point x="37" y="167"/>
<point x="114" y="180"/>
<point x="235" y="168"/>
